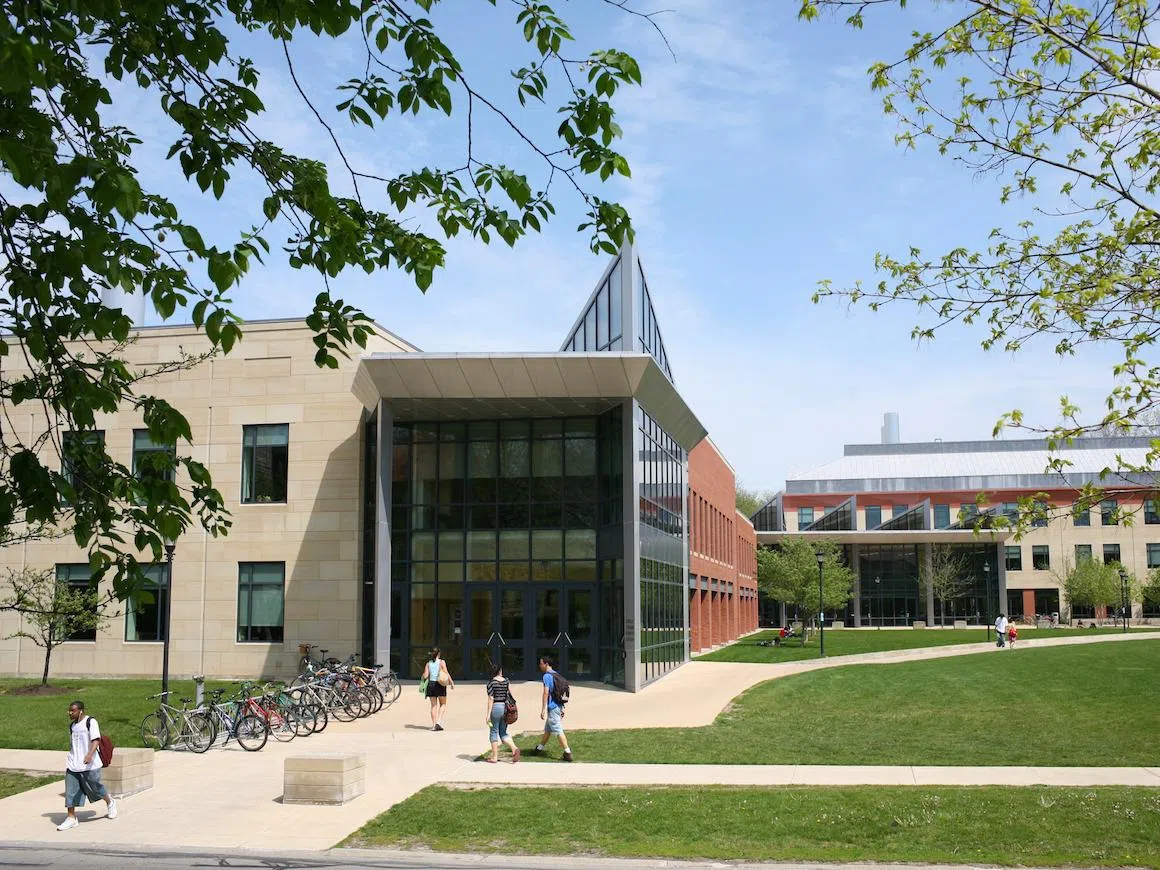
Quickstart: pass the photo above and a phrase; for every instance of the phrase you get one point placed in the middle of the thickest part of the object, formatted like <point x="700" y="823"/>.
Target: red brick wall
<point x="722" y="553"/>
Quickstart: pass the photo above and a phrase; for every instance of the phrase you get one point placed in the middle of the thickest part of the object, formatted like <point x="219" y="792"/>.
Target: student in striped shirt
<point x="498" y="689"/>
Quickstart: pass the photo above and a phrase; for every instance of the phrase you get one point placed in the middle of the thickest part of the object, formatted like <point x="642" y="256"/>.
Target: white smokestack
<point x="890" y="428"/>
<point x="133" y="304"/>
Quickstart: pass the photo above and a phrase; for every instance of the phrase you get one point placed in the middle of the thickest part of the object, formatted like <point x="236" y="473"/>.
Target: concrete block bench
<point x="919" y="623"/>
<point x="960" y="623"/>
<point x="324" y="778"/>
<point x="129" y="771"/>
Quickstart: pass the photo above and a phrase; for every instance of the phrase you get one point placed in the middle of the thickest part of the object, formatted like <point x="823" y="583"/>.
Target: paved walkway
<point x="232" y="799"/>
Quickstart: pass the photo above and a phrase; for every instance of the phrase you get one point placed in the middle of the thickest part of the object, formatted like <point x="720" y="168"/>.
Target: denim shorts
<point x="498" y="726"/>
<point x="555" y="721"/>
<point x="81" y="784"/>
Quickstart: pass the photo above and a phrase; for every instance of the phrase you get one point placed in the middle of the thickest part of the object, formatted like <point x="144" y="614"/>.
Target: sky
<point x="762" y="163"/>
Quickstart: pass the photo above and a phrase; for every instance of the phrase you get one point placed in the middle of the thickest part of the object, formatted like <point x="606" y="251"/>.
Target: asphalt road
<point x="18" y="856"/>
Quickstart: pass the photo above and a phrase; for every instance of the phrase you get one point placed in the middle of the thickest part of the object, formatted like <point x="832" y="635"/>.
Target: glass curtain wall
<point x="889" y="583"/>
<point x="663" y="630"/>
<point x="501" y="545"/>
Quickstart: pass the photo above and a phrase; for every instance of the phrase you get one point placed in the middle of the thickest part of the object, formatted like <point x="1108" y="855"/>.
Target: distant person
<point x="1012" y="635"/>
<point x="498" y="692"/>
<point x="551" y="711"/>
<point x="438" y="681"/>
<point x="1001" y="629"/>
<point x="82" y="768"/>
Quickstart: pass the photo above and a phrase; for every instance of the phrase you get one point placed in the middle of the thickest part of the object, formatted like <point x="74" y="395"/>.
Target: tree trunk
<point x="47" y="659"/>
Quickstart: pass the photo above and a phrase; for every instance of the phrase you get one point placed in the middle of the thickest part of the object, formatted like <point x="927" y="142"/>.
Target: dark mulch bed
<point x="37" y="689"/>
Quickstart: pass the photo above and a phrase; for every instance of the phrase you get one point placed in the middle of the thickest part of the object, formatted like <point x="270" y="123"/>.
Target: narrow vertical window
<point x="265" y="454"/>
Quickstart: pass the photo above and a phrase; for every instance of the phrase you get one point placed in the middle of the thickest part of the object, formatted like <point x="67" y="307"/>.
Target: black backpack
<point x="560" y="689"/>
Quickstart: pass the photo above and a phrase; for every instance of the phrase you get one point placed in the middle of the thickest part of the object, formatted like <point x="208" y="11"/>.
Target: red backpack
<point x="104" y="744"/>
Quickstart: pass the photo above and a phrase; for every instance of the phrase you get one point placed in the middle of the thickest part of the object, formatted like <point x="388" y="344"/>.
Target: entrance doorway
<point x="517" y="624"/>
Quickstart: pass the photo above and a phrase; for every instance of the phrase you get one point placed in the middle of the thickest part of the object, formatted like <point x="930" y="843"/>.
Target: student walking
<point x="82" y="768"/>
<point x="551" y="711"/>
<point x="438" y="677"/>
<point x="1001" y="629"/>
<point x="498" y="692"/>
<point x="1012" y="634"/>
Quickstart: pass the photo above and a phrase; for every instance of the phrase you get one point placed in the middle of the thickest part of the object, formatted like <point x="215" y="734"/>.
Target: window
<point x="1111" y="553"/>
<point x="873" y="515"/>
<point x="1154" y="555"/>
<point x="78" y="469"/>
<point x="1040" y="557"/>
<point x="898" y="510"/>
<point x="149" y="456"/>
<point x="1039" y="518"/>
<point x="261" y="600"/>
<point x="968" y="511"/>
<point x="1151" y="516"/>
<point x="78" y="577"/>
<point x="1081" y="515"/>
<point x="805" y="516"/>
<point x="1082" y="551"/>
<point x="942" y="516"/>
<point x="1014" y="558"/>
<point x="147" y="620"/>
<point x="265" y="451"/>
<point x="1108" y="512"/>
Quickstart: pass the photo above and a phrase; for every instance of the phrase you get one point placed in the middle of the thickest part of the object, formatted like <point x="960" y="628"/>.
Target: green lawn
<point x="12" y="782"/>
<point x="1033" y="826"/>
<point x="848" y="642"/>
<point x="41" y="721"/>
<point x="1090" y="705"/>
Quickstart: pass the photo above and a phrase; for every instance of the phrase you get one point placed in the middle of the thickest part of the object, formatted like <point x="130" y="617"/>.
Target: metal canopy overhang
<point x="468" y="386"/>
<point x="900" y="536"/>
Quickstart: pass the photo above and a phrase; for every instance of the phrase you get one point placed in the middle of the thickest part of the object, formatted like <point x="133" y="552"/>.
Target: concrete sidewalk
<point x="768" y="775"/>
<point x="231" y="799"/>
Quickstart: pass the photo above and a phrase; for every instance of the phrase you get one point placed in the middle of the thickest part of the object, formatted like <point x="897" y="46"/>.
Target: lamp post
<point x="169" y="548"/>
<point x="1124" y="603"/>
<point x="987" y="599"/>
<point x="821" y="607"/>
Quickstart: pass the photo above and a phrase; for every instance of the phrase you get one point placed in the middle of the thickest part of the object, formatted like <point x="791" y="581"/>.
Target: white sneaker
<point x="70" y="822"/>
<point x="112" y="813"/>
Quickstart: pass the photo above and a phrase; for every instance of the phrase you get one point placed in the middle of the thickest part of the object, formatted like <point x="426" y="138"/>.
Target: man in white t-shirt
<point x="82" y="769"/>
<point x="1001" y="630"/>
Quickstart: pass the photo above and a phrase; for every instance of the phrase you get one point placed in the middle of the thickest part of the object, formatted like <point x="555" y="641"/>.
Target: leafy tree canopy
<point x="1060" y="101"/>
<point x="77" y="219"/>
<point x="789" y="573"/>
<point x="750" y="501"/>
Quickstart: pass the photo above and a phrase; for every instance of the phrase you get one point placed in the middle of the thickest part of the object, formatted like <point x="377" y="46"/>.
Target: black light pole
<point x="1124" y="604"/>
<point x="821" y="607"/>
<point x="169" y="547"/>
<point x="987" y="627"/>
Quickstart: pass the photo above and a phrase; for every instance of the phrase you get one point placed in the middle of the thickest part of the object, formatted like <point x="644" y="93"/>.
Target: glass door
<point x="564" y="628"/>
<point x="481" y="631"/>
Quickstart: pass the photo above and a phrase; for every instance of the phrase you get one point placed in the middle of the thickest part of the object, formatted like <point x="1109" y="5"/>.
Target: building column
<point x="384" y="454"/>
<point x="856" y="568"/>
<point x="928" y="567"/>
<point x="1029" y="603"/>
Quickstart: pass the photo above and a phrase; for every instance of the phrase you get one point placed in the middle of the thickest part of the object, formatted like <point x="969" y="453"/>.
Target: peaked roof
<point x="619" y="314"/>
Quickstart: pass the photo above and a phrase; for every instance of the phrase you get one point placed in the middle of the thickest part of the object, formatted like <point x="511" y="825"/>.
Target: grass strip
<point x="13" y="782"/>
<point x="1082" y="706"/>
<point x="40" y="721"/>
<point x="1031" y="826"/>
<point x="849" y="642"/>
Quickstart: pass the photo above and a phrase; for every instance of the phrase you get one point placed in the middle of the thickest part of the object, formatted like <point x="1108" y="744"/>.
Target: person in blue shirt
<point x="551" y="712"/>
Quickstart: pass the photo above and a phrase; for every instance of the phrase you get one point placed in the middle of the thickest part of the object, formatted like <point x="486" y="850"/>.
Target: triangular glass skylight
<point x="619" y="314"/>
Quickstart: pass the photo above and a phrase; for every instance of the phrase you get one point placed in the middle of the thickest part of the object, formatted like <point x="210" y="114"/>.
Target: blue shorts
<point x="79" y="784"/>
<point x="554" y="724"/>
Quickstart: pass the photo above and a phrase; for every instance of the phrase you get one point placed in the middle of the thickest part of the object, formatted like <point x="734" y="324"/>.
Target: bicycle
<point x="231" y="718"/>
<point x="170" y="726"/>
